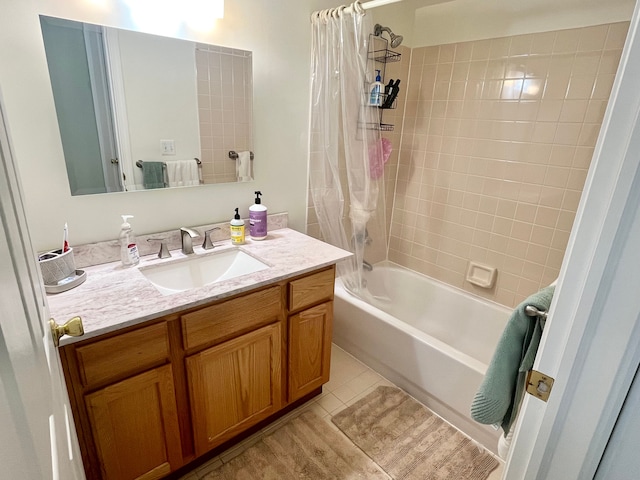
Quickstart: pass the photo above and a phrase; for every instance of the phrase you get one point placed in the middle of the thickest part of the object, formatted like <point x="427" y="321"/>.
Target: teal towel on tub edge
<point x="499" y="395"/>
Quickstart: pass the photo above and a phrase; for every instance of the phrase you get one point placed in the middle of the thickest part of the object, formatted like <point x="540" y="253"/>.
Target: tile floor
<point x="350" y="381"/>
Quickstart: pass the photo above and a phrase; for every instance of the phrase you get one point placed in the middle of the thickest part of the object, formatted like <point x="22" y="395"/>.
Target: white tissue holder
<point x="483" y="276"/>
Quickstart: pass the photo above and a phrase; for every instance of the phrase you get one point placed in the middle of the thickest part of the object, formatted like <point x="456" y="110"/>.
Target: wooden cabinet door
<point x="310" y="333"/>
<point x="135" y="426"/>
<point x="234" y="385"/>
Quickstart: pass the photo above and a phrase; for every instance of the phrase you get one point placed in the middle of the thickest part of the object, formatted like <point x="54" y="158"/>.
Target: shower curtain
<point x="345" y="139"/>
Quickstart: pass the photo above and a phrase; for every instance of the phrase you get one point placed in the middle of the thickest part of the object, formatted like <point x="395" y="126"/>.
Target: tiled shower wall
<point x="498" y="136"/>
<point x="224" y="107"/>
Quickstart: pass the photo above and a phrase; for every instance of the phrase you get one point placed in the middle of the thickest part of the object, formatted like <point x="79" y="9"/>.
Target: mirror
<point x="139" y="111"/>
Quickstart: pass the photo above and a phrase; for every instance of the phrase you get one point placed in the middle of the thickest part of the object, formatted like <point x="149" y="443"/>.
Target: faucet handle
<point x="208" y="244"/>
<point x="164" y="251"/>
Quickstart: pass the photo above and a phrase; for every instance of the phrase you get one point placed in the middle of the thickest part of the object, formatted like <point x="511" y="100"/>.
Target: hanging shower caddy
<point x="379" y="55"/>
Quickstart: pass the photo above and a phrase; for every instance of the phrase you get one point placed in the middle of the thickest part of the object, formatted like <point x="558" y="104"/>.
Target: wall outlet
<point x="167" y="147"/>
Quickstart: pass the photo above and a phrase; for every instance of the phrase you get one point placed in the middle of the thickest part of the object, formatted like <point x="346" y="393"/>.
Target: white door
<point x="37" y="435"/>
<point x="592" y="339"/>
<point x="620" y="459"/>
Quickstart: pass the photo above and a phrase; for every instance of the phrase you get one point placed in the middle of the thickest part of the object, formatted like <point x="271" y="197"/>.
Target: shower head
<point x="396" y="40"/>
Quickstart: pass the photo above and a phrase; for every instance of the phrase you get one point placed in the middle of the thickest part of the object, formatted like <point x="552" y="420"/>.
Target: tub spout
<point x="367" y="266"/>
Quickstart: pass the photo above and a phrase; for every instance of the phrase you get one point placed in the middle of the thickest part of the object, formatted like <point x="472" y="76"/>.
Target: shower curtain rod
<point x="371" y="4"/>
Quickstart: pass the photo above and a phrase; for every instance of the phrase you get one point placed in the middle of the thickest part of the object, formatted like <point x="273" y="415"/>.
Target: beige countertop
<point x="114" y="297"/>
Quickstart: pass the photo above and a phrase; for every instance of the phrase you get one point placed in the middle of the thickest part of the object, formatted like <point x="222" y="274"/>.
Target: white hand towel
<point x="243" y="166"/>
<point x="190" y="173"/>
<point x="173" y="173"/>
<point x="183" y="173"/>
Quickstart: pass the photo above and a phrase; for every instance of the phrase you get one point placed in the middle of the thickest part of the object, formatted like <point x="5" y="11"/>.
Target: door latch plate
<point x="539" y="385"/>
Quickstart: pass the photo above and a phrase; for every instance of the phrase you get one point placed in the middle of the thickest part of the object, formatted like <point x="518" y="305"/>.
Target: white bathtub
<point x="430" y="339"/>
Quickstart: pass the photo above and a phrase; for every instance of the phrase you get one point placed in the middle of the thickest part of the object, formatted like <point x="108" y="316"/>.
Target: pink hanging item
<point x="379" y="155"/>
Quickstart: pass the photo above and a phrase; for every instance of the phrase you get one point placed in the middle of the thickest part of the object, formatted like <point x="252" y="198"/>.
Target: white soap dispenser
<point x="128" y="247"/>
<point x="375" y="91"/>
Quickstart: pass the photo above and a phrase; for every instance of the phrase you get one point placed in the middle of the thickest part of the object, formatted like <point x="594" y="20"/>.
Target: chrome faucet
<point x="367" y="266"/>
<point x="187" y="234"/>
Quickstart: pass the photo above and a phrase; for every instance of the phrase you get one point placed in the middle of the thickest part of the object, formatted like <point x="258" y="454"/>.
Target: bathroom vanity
<point x="152" y="392"/>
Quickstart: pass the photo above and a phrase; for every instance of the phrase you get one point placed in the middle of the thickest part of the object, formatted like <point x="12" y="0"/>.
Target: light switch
<point x="167" y="147"/>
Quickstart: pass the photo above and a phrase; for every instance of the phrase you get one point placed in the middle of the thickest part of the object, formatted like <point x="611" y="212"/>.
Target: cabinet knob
<point x="72" y="328"/>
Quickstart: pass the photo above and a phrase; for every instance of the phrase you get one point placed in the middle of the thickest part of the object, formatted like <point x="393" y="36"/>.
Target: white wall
<point x="398" y="17"/>
<point x="436" y="22"/>
<point x="279" y="35"/>
<point x="465" y="20"/>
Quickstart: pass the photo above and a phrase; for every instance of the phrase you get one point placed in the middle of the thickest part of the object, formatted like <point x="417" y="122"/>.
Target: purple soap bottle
<point x="258" y="219"/>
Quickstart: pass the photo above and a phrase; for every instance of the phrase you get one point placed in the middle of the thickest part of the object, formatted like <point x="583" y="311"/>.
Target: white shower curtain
<point x="344" y="133"/>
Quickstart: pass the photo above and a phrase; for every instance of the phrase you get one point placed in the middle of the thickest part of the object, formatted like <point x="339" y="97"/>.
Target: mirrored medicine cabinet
<point x="138" y="111"/>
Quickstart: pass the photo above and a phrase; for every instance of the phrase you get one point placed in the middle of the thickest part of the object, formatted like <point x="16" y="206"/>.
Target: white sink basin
<point x="201" y="270"/>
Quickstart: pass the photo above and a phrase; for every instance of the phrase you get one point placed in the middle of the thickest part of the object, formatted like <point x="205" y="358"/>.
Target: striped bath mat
<point x="306" y="447"/>
<point x="410" y="442"/>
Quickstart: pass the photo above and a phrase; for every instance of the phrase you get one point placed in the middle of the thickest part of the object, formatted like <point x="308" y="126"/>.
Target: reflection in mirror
<point x="139" y="111"/>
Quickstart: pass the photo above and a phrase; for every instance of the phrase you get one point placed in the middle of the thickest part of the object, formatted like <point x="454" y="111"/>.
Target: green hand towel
<point x="499" y="395"/>
<point x="153" y="175"/>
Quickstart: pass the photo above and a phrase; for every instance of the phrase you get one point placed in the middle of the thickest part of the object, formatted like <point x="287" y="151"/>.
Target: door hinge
<point x="539" y="385"/>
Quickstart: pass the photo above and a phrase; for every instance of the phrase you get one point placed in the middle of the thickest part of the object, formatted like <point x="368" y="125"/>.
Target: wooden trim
<point x="181" y="389"/>
<point x="284" y="346"/>
<point x="157" y="473"/>
<point x="80" y="413"/>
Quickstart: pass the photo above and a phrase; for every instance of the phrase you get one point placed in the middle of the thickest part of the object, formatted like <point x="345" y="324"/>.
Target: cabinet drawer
<point x="311" y="289"/>
<point x="127" y="353"/>
<point x="231" y="318"/>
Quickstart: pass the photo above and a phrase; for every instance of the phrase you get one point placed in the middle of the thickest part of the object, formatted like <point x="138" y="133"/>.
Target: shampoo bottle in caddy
<point x="237" y="229"/>
<point x="258" y="219"/>
<point x="375" y="90"/>
<point x="128" y="247"/>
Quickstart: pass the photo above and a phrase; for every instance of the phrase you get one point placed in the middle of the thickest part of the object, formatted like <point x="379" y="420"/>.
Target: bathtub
<point x="430" y="339"/>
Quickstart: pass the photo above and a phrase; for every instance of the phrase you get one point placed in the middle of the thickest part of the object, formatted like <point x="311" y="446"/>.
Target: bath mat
<point x="409" y="442"/>
<point x="305" y="447"/>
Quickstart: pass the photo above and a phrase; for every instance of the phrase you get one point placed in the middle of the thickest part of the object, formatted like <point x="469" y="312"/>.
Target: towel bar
<point x="164" y="164"/>
<point x="233" y="155"/>
<point x="532" y="311"/>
